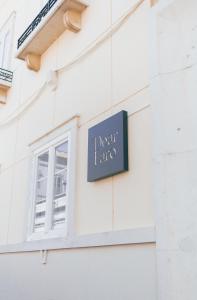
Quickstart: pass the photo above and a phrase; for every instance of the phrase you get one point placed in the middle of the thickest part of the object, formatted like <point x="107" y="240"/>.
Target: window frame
<point x="7" y="30"/>
<point x="49" y="143"/>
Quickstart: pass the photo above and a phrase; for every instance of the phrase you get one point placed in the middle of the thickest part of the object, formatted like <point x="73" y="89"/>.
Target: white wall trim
<point x="113" y="238"/>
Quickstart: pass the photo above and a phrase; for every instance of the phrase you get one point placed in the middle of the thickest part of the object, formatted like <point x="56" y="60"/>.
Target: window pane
<point x="59" y="213"/>
<point x="41" y="192"/>
<point x="60" y="185"/>
<point x="43" y="161"/>
<point x="6" y="47"/>
<point x="61" y="154"/>
<point x="40" y="211"/>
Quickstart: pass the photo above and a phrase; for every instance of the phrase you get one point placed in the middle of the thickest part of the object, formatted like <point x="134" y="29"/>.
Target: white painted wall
<point x="123" y="272"/>
<point x="111" y="78"/>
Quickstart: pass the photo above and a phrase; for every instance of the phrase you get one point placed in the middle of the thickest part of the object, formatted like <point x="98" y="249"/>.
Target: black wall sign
<point x="108" y="147"/>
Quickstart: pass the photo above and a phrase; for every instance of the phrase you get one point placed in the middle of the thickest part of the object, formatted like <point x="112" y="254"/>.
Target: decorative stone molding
<point x="132" y="236"/>
<point x="55" y="17"/>
<point x="72" y="20"/>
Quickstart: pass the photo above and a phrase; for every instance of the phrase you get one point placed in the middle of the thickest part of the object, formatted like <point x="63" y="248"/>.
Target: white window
<point x="6" y="37"/>
<point x="52" y="187"/>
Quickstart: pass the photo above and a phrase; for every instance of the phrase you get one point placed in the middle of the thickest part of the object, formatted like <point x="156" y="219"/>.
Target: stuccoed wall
<point x="111" y="78"/>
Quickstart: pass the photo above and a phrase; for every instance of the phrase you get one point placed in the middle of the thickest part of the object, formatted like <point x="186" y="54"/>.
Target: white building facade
<point x="66" y="66"/>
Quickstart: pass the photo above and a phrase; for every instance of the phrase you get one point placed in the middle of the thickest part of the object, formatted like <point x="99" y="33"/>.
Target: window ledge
<point x="55" y="17"/>
<point x="112" y="238"/>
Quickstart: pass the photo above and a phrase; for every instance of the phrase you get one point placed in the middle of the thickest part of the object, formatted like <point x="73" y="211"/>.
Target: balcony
<point x="54" y="18"/>
<point x="5" y="83"/>
<point x="5" y="79"/>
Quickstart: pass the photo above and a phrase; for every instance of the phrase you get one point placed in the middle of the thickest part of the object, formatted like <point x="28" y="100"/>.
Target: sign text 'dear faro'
<point x="108" y="147"/>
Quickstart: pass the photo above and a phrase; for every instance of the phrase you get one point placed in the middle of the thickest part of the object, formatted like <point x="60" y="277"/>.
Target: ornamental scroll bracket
<point x="72" y="20"/>
<point x="33" y="61"/>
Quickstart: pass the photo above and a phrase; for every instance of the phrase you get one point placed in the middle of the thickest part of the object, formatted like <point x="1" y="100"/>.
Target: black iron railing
<point x="36" y="22"/>
<point x="6" y="75"/>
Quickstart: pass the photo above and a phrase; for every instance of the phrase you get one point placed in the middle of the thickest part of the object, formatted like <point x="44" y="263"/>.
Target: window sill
<point x="112" y="238"/>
